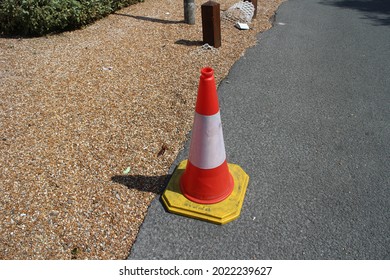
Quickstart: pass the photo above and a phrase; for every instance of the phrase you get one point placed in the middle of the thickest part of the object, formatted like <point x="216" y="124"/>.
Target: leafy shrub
<point x="38" y="17"/>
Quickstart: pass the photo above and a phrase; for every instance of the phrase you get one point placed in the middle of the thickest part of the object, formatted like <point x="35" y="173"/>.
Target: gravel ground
<point x="91" y="121"/>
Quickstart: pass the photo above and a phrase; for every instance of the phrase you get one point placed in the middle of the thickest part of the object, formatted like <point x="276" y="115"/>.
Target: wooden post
<point x="254" y="2"/>
<point x="211" y="23"/>
<point x="189" y="11"/>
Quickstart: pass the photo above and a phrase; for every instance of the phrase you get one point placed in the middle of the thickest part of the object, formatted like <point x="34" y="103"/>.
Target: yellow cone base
<point x="218" y="213"/>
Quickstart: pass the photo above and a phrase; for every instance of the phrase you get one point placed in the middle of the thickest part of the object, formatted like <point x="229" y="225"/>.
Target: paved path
<point x="306" y="113"/>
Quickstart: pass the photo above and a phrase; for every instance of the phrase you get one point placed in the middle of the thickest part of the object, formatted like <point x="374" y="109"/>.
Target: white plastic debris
<point x="207" y="47"/>
<point x="242" y="26"/>
<point x="109" y="68"/>
<point x="242" y="11"/>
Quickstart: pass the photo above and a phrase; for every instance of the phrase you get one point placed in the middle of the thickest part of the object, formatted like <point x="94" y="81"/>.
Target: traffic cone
<point x="206" y="179"/>
<point x="205" y="186"/>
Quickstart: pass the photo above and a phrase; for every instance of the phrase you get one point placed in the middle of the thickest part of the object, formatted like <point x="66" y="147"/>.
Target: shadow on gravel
<point x="164" y="21"/>
<point x="155" y="184"/>
<point x="189" y="42"/>
<point x="376" y="10"/>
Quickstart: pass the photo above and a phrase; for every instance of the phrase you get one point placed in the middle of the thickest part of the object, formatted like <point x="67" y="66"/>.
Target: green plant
<point x="38" y="17"/>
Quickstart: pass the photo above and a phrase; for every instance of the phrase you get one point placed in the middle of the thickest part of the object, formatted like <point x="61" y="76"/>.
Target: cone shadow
<point x="155" y="184"/>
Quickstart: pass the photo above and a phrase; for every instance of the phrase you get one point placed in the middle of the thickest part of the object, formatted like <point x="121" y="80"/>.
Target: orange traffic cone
<point x="207" y="179"/>
<point x="205" y="186"/>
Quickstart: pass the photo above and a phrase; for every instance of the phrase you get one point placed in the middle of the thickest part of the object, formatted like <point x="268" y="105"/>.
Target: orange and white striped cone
<point x="206" y="179"/>
<point x="205" y="186"/>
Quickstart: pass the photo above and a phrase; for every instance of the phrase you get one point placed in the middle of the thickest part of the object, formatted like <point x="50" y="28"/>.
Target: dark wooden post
<point x="211" y="23"/>
<point x="254" y="2"/>
<point x="189" y="11"/>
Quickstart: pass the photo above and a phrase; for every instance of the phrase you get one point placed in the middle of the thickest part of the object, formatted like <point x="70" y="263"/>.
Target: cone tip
<point x="207" y="72"/>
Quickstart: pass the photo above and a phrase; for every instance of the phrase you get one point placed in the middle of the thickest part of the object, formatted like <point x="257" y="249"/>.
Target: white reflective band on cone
<point x="207" y="146"/>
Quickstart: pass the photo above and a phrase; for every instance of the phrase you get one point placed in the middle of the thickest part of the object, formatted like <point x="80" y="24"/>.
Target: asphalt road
<point x="306" y="113"/>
